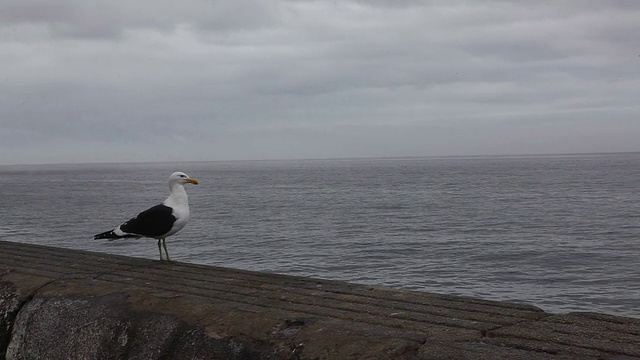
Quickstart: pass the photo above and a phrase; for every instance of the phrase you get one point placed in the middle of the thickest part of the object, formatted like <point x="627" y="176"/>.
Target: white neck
<point x="178" y="195"/>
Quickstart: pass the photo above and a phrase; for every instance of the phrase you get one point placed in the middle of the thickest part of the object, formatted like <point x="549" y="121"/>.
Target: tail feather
<point x="112" y="235"/>
<point x="106" y="235"/>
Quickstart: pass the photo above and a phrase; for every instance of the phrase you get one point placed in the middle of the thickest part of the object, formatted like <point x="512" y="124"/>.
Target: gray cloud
<point x="95" y="81"/>
<point x="109" y="20"/>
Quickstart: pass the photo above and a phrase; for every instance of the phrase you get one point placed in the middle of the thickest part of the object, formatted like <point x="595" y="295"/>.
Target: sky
<point x="85" y="81"/>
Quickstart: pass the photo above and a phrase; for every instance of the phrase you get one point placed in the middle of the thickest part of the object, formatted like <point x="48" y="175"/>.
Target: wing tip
<point x="105" y="235"/>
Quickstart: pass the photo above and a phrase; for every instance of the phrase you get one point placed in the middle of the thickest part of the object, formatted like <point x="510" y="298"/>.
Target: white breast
<point x="182" y="217"/>
<point x="179" y="202"/>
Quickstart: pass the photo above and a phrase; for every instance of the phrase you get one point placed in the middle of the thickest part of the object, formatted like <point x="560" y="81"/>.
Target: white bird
<point x="160" y="221"/>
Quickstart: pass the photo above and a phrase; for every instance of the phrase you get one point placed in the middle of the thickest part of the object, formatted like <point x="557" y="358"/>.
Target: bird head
<point x="181" y="178"/>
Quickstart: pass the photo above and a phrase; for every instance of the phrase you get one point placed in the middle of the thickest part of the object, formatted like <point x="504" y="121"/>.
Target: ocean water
<point x="558" y="232"/>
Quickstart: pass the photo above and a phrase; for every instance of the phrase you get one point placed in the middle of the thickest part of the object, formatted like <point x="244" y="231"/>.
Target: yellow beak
<point x="193" y="181"/>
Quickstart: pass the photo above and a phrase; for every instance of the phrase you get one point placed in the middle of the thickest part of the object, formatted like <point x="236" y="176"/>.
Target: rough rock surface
<point x="106" y="327"/>
<point x="9" y="306"/>
<point x="68" y="304"/>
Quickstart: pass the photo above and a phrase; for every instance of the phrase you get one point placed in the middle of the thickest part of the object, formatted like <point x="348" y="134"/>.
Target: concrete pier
<point x="68" y="304"/>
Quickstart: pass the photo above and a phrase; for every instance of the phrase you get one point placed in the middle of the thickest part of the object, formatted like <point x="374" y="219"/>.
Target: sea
<point x="561" y="232"/>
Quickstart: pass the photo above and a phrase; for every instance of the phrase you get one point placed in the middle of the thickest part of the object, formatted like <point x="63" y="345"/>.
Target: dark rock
<point x="9" y="306"/>
<point x="71" y="304"/>
<point x="107" y="327"/>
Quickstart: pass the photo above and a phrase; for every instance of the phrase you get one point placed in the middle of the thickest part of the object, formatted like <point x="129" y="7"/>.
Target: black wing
<point x="153" y="222"/>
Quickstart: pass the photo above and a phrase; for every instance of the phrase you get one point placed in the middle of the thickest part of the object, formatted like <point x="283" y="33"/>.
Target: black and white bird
<point x="160" y="221"/>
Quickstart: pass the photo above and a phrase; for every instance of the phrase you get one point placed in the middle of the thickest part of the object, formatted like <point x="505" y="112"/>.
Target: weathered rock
<point x="106" y="327"/>
<point x="69" y="304"/>
<point x="9" y="306"/>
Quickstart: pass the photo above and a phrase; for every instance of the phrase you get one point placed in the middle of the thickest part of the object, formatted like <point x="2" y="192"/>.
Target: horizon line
<point x="478" y="156"/>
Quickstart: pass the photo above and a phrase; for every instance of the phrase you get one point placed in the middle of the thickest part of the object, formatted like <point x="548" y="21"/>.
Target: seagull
<point x="160" y="221"/>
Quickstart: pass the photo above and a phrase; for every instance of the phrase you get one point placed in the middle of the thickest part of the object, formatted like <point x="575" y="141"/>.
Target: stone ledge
<point x="58" y="302"/>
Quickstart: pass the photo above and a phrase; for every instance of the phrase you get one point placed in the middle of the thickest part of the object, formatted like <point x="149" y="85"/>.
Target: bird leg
<point x="160" y="248"/>
<point x="164" y="245"/>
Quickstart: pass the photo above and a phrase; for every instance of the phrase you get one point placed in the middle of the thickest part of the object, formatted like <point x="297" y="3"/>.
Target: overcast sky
<point x="155" y="80"/>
